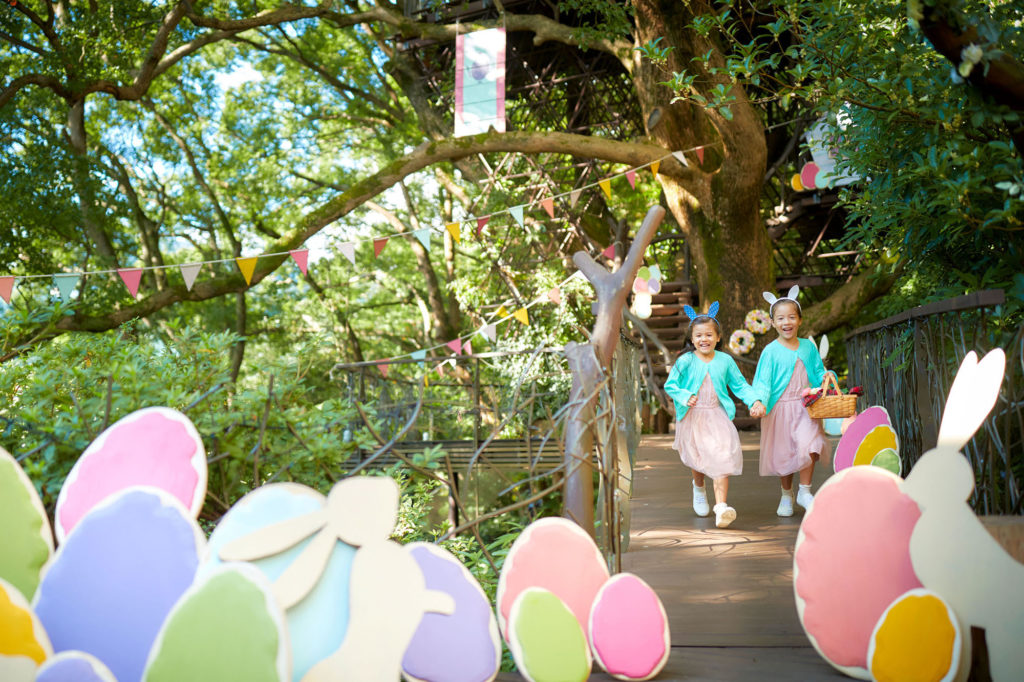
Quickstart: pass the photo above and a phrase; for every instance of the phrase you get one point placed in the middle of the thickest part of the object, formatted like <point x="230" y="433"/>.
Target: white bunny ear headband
<point x="693" y="314"/>
<point x="794" y="291"/>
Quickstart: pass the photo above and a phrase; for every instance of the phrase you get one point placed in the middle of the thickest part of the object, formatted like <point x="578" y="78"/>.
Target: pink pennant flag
<point x="480" y="222"/>
<point x="131" y="278"/>
<point x="383" y="367"/>
<point x="378" y="246"/>
<point x="301" y="258"/>
<point x="440" y="369"/>
<point x="349" y="249"/>
<point x="631" y="176"/>
<point x="467" y="348"/>
<point x="700" y="154"/>
<point x="549" y="206"/>
<point x="455" y="345"/>
<point x="6" y="288"/>
<point x="609" y="253"/>
<point x="555" y="295"/>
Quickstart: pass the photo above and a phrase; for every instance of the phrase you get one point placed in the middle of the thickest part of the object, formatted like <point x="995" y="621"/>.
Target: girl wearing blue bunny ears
<point x="706" y="438"/>
<point x="791" y="441"/>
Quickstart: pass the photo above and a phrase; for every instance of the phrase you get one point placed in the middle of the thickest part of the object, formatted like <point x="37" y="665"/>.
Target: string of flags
<point x="66" y="282"/>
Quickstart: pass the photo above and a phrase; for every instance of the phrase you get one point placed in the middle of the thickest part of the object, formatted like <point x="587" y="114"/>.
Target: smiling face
<point x="786" y="319"/>
<point x="704" y="335"/>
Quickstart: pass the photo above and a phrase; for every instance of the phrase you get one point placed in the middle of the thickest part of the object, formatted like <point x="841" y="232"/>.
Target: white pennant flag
<point x="189" y="272"/>
<point x="490" y="331"/>
<point x="574" y="197"/>
<point x="349" y="249"/>
<point x="681" y="158"/>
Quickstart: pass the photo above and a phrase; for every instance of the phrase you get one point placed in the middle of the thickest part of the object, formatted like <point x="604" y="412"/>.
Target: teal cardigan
<point x="775" y="369"/>
<point x="688" y="374"/>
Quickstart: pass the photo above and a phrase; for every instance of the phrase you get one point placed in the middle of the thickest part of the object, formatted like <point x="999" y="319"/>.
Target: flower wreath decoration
<point x="741" y="342"/>
<point x="757" y="321"/>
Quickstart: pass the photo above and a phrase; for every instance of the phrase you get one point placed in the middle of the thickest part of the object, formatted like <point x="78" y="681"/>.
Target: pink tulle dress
<point x="706" y="439"/>
<point x="788" y="434"/>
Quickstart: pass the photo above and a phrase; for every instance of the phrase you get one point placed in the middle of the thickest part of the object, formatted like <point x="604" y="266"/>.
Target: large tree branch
<point x="21" y="82"/>
<point x="846" y="303"/>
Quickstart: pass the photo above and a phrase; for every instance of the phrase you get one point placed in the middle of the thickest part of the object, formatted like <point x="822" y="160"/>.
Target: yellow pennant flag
<point x="522" y="316"/>
<point x="455" y="231"/>
<point x="606" y="185"/>
<point x="502" y="312"/>
<point x="426" y="381"/>
<point x="655" y="165"/>
<point x="247" y="266"/>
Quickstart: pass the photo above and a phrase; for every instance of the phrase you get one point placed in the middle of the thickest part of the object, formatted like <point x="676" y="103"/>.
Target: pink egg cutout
<point x="809" y="174"/>
<point x="557" y="555"/>
<point x="640" y="286"/>
<point x="628" y="629"/>
<point x="156" y="447"/>
<point x="855" y="433"/>
<point x="852" y="558"/>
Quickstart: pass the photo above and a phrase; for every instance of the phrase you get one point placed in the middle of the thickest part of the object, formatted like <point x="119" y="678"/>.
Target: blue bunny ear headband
<point x="693" y="315"/>
<point x="794" y="291"/>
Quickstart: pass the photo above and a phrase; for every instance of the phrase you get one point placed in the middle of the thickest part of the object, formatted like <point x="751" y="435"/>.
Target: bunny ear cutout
<point x="770" y="297"/>
<point x="823" y="349"/>
<point x="794" y="291"/>
<point x="713" y="309"/>
<point x="690" y="312"/>
<point x="971" y="397"/>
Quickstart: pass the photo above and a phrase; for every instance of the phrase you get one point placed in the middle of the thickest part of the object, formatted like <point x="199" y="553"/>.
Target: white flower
<point x="972" y="53"/>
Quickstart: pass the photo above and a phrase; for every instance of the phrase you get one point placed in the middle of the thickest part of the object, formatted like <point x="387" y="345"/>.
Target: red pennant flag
<point x="301" y="258"/>
<point x="480" y="222"/>
<point x="555" y="295"/>
<point x="700" y="154"/>
<point x="549" y="206"/>
<point x="6" y="288"/>
<point x="609" y="253"/>
<point x="131" y="278"/>
<point x="631" y="176"/>
<point x="378" y="246"/>
<point x="383" y="367"/>
<point x="455" y="345"/>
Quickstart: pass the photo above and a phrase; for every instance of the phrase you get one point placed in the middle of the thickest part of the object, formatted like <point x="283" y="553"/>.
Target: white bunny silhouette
<point x="950" y="549"/>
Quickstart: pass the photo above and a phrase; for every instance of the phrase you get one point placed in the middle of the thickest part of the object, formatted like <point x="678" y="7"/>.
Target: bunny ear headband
<point x="794" y="291"/>
<point x="693" y="315"/>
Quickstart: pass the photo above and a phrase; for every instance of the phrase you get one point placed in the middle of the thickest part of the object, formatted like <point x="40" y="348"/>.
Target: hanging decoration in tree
<point x="480" y="82"/>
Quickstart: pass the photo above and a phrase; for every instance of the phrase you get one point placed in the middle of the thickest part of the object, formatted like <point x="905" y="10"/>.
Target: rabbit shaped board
<point x="24" y="527"/>
<point x="832" y="426"/>
<point x="24" y="644"/>
<point x="952" y="552"/>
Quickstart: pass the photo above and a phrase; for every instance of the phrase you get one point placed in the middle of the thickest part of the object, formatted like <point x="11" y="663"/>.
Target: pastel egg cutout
<point x="809" y="174"/>
<point x="917" y="639"/>
<point x="629" y="633"/>
<point x="558" y="555"/>
<point x="654" y="285"/>
<point x="74" y="666"/>
<point x="317" y="624"/>
<point x="112" y="583"/>
<point x="156" y="447"/>
<point x="227" y="626"/>
<point x="463" y="646"/>
<point x="853" y="436"/>
<point x="888" y="459"/>
<point x="546" y="640"/>
<point x="24" y="527"/>
<point x="879" y="438"/>
<point x="852" y="559"/>
<point x="833" y="426"/>
<point x="24" y="644"/>
<point x="795" y="183"/>
<point x="644" y="272"/>
<point x="640" y="286"/>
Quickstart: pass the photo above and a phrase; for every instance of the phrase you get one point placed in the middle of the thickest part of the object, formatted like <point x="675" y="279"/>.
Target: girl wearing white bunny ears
<point x="706" y="439"/>
<point x="791" y="441"/>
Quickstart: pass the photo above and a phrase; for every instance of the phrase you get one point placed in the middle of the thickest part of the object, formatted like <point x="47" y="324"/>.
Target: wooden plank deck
<point x="728" y="593"/>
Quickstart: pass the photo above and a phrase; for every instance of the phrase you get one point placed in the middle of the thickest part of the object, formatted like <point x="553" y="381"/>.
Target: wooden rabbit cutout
<point x="950" y="549"/>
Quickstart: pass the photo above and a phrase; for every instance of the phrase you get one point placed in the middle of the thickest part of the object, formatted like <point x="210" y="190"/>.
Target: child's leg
<point x="700" y="495"/>
<point x="698" y="479"/>
<point x="724" y="514"/>
<point x="786" y="502"/>
<point x="721" y="489"/>
<point x="804" y="496"/>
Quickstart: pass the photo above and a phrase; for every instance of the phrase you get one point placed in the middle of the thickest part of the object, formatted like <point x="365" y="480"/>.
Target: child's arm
<point x="739" y="386"/>
<point x="763" y="376"/>
<point x="674" y="384"/>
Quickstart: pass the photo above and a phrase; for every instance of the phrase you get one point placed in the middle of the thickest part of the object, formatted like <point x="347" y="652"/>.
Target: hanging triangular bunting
<point x="301" y="258"/>
<point x="66" y="284"/>
<point x="189" y="271"/>
<point x="467" y="348"/>
<point x="480" y="222"/>
<point x="424" y="237"/>
<point x="455" y="345"/>
<point x="426" y="381"/>
<point x="455" y="230"/>
<point x="555" y="295"/>
<point x="131" y="278"/>
<point x="502" y="312"/>
<point x="574" y="197"/>
<point x="383" y="367"/>
<point x="522" y="316"/>
<point x="517" y="213"/>
<point x="418" y="356"/>
<point x="378" y="245"/>
<point x="549" y="206"/>
<point x="490" y="331"/>
<point x="681" y="158"/>
<point x="6" y="288"/>
<point x="631" y="176"/>
<point x="440" y="369"/>
<point x="655" y="165"/>
<point x="609" y="253"/>
<point x="700" y="155"/>
<point x="349" y="250"/>
<point x="247" y="266"/>
<point x="606" y="186"/>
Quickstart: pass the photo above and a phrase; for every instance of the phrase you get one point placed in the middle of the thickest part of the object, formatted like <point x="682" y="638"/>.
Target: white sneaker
<point x="804" y="496"/>
<point x="700" y="501"/>
<point x="724" y="515"/>
<point x="785" y="504"/>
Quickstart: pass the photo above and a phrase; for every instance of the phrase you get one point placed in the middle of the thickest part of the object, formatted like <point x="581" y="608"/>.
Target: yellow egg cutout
<point x="878" y="439"/>
<point x="917" y="639"/>
<point x="795" y="183"/>
<point x="24" y="644"/>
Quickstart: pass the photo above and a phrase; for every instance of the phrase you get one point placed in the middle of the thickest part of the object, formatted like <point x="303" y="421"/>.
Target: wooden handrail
<point x="978" y="299"/>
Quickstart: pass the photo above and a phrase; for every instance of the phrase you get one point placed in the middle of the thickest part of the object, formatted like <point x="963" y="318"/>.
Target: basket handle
<point x="829" y="379"/>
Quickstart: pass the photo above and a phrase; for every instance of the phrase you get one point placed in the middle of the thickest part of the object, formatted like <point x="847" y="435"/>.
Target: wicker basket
<point x="832" y="406"/>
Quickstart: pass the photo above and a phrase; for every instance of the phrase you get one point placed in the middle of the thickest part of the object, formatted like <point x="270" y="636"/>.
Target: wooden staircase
<point x="669" y="323"/>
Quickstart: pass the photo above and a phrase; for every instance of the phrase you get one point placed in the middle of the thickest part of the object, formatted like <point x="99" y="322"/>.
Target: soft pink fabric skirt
<point x="788" y="434"/>
<point x="706" y="439"/>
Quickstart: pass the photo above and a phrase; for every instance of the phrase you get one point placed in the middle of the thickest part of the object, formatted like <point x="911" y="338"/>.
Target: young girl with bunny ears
<point x="791" y="441"/>
<point x="706" y="439"/>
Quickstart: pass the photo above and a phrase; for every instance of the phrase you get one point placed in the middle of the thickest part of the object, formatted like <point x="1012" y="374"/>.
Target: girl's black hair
<point x="799" y="310"/>
<point x="688" y="347"/>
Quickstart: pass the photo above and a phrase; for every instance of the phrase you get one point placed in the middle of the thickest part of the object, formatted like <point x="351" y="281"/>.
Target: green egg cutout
<point x="888" y="460"/>
<point x="644" y="273"/>
<point x="546" y="640"/>
<point x="24" y="527"/>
